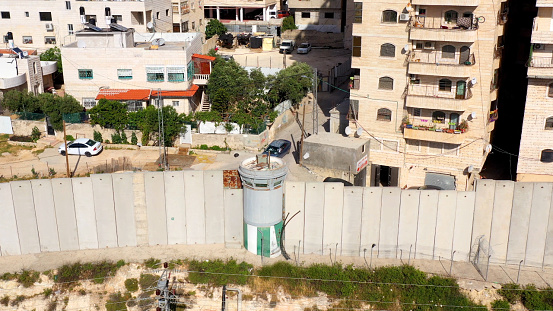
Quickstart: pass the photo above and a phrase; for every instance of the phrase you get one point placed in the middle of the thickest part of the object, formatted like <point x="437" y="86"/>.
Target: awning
<point x="201" y="56"/>
<point x="178" y="94"/>
<point x="124" y="94"/>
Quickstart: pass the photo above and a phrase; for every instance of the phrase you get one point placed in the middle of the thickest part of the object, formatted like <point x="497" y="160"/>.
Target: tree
<point x="214" y="27"/>
<point x="147" y="122"/>
<point x="53" y="54"/>
<point x="109" y="114"/>
<point x="16" y="101"/>
<point x="228" y="84"/>
<point x="288" y="23"/>
<point x="292" y="83"/>
<point x="55" y="106"/>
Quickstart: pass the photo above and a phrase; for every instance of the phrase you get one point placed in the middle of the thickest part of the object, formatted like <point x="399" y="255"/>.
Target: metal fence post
<point x="518" y="274"/>
<point x="364" y="257"/>
<point x="370" y="266"/>
<point x="451" y="264"/>
<point x="410" y="248"/>
<point x="488" y="267"/>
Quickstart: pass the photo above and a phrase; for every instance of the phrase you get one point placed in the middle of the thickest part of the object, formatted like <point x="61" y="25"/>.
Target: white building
<point x="136" y="68"/>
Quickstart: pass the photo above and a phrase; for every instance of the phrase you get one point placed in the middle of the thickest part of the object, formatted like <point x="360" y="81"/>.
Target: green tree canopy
<point x="53" y="54"/>
<point x="16" y="101"/>
<point x="214" y="27"/>
<point x="292" y="83"/>
<point x="147" y="121"/>
<point x="109" y="114"/>
<point x="228" y="85"/>
<point x="288" y="23"/>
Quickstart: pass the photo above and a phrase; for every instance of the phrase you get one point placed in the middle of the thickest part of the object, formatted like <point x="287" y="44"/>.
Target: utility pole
<point x="302" y="135"/>
<point x="66" y="151"/>
<point x="315" y="104"/>
<point x="163" y="295"/>
<point x="161" y="133"/>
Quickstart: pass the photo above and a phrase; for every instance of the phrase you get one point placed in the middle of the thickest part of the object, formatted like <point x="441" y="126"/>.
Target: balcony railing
<point x="430" y="134"/>
<point x="447" y="2"/>
<point x="7" y="83"/>
<point x="461" y="31"/>
<point x="436" y="91"/>
<point x="201" y="79"/>
<point x="541" y="62"/>
<point x="441" y="58"/>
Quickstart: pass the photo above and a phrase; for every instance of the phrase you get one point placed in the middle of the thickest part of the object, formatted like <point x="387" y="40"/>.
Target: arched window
<point x="389" y="16"/>
<point x="550" y="91"/>
<point x="448" y="51"/>
<point x="384" y="114"/>
<point x="451" y="17"/>
<point x="445" y="85"/>
<point x="438" y="117"/>
<point x="546" y="156"/>
<point x="549" y="123"/>
<point x="386" y="83"/>
<point x="387" y="50"/>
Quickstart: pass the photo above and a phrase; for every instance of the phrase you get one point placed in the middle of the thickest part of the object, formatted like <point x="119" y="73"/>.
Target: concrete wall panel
<point x="408" y="222"/>
<point x="520" y="220"/>
<point x="333" y="209"/>
<point x="294" y="201"/>
<point x="389" y="223"/>
<point x="123" y="199"/>
<point x="370" y="219"/>
<point x="483" y="209"/>
<point x="214" y="207"/>
<point x="539" y="218"/>
<point x="428" y="211"/>
<point x="154" y="187"/>
<point x="195" y="207"/>
<point x="314" y="215"/>
<point x="27" y="228"/>
<point x="84" y="213"/>
<point x="234" y="219"/>
<point x="351" y="223"/>
<point x="463" y="231"/>
<point x="548" y="253"/>
<point x="105" y="210"/>
<point x="45" y="215"/>
<point x="175" y="206"/>
<point x="501" y="219"/>
<point x="9" y="238"/>
<point x="443" y="244"/>
<point x="65" y="214"/>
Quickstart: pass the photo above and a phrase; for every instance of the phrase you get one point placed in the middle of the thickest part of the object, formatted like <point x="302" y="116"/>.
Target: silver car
<point x="304" y="48"/>
<point x="81" y="146"/>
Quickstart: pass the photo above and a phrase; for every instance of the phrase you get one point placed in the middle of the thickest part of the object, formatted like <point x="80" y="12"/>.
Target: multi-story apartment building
<point x="240" y="10"/>
<point x="425" y="87"/>
<point x="136" y="68"/>
<point x="188" y="15"/>
<point x="42" y="24"/>
<point x="536" y="143"/>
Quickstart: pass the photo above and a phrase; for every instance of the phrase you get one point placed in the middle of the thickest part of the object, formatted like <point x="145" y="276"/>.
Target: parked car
<point x="304" y="48"/>
<point x="258" y="17"/>
<point x="278" y="148"/>
<point x="287" y="46"/>
<point x="283" y="14"/>
<point x="334" y="179"/>
<point x="227" y="57"/>
<point x="81" y="146"/>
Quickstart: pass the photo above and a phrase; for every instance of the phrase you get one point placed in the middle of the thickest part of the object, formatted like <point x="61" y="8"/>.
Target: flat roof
<point x="336" y="140"/>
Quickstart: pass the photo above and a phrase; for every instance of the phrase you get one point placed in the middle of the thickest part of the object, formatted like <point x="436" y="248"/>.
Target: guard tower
<point x="263" y="178"/>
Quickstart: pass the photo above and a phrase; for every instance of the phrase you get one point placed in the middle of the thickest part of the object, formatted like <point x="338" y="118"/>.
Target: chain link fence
<point x="480" y="256"/>
<point x="79" y="117"/>
<point x="30" y="116"/>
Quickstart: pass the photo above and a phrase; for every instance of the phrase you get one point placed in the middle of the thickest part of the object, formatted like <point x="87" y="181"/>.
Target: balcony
<point x="541" y="67"/>
<point x="48" y="67"/>
<point x="8" y="83"/>
<point x="542" y="36"/>
<point x="431" y="97"/>
<point x="544" y="3"/>
<point x="448" y="2"/>
<point x="201" y="79"/>
<point x="463" y="31"/>
<point x="437" y="63"/>
<point x="432" y="135"/>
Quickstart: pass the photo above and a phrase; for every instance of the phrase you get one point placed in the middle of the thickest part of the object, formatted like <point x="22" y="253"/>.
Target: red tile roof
<point x="123" y="94"/>
<point x="8" y="51"/>
<point x="203" y="56"/>
<point x="188" y="93"/>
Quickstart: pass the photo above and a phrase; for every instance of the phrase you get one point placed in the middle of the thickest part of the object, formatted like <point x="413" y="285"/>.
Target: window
<point x="193" y="25"/>
<point x="26" y="14"/>
<point x="175" y="103"/>
<point x="134" y="105"/>
<point x="157" y="15"/>
<point x="5" y="15"/>
<point x="374" y="144"/>
<point x="87" y="18"/>
<point x="387" y="50"/>
<point x="356" y="51"/>
<point x="413" y="145"/>
<point x="445" y="85"/>
<point x="495" y="81"/>
<point x="438" y="117"/>
<point x="50" y="40"/>
<point x="451" y="149"/>
<point x="353" y="109"/>
<point x="70" y="29"/>
<point x="384" y="114"/>
<point x="546" y="156"/>
<point x="329" y="15"/>
<point x="358" y="15"/>
<point x="85" y="74"/>
<point x="185" y="26"/>
<point x="386" y="83"/>
<point x="5" y="39"/>
<point x="68" y="5"/>
<point x="451" y="17"/>
<point x="417" y="112"/>
<point x="434" y="147"/>
<point x="118" y="18"/>
<point x="167" y="12"/>
<point x="175" y="8"/>
<point x="389" y="16"/>
<point x="190" y="71"/>
<point x="175" y="74"/>
<point x="27" y="40"/>
<point x="89" y="102"/>
<point x="448" y="51"/>
<point x="550" y="92"/>
<point x="45" y="16"/>
<point x="155" y="74"/>
<point x="305" y="14"/>
<point x="124" y="74"/>
<point x="200" y="21"/>
<point x="549" y="123"/>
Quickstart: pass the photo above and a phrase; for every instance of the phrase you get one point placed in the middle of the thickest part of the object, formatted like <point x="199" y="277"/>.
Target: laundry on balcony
<point x="464" y="22"/>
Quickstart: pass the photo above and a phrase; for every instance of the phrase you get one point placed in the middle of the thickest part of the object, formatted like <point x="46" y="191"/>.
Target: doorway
<point x="461" y="90"/>
<point x="453" y="121"/>
<point x="464" y="56"/>
<point x="384" y="176"/>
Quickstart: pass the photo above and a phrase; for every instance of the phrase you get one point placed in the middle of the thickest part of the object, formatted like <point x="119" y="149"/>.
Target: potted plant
<point x="439" y="130"/>
<point x="463" y="126"/>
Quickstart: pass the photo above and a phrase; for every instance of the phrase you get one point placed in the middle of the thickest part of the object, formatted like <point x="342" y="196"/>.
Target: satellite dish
<point x="406" y="47"/>
<point x="306" y="155"/>
<point x="347" y="130"/>
<point x="473" y="115"/>
<point x="470" y="168"/>
<point x="81" y="44"/>
<point x="150" y="25"/>
<point x="158" y="41"/>
<point x="489" y="148"/>
<point x="359" y="131"/>
<point x="473" y="81"/>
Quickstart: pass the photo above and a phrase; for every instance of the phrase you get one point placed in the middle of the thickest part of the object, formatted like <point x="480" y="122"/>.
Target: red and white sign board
<point x="361" y="164"/>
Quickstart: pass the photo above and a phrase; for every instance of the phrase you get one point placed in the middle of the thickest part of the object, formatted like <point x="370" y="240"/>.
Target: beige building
<point x="188" y="15"/>
<point x="136" y="68"/>
<point x="425" y="87"/>
<point x="42" y="24"/>
<point x="536" y="143"/>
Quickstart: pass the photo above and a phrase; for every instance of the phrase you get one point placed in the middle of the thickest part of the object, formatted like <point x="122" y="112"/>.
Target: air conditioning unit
<point x="429" y="45"/>
<point x="539" y="46"/>
<point x="49" y="27"/>
<point x="404" y="17"/>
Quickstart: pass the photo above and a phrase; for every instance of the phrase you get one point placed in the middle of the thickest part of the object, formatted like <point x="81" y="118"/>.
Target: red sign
<point x="361" y="164"/>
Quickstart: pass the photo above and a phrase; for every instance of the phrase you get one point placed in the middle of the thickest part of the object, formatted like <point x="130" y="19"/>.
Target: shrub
<point x="147" y="280"/>
<point x="98" y="136"/>
<point x="28" y="278"/>
<point x="131" y="285"/>
<point x="25" y="139"/>
<point x="18" y="299"/>
<point x="69" y="138"/>
<point x="35" y="134"/>
<point x="134" y="140"/>
<point x="152" y="263"/>
<point x="511" y="292"/>
<point x="235" y="273"/>
<point x="77" y="271"/>
<point x="499" y="305"/>
<point x="5" y="300"/>
<point x="116" y="138"/>
<point x="52" y="306"/>
<point x="124" y="138"/>
<point x="117" y="302"/>
<point x="288" y="23"/>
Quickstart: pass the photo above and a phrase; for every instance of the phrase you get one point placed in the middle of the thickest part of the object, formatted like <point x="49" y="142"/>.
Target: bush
<point x="134" y="140"/>
<point x="98" y="136"/>
<point x="288" y="23"/>
<point x="131" y="285"/>
<point x="116" y="138"/>
<point x="147" y="280"/>
<point x="77" y="271"/>
<point x="47" y="292"/>
<point x="5" y="300"/>
<point x="511" y="292"/>
<point x="117" y="302"/>
<point x="28" y="278"/>
<point x="35" y="134"/>
<point x="499" y="305"/>
<point x="234" y="273"/>
<point x="25" y="139"/>
<point x="124" y="138"/>
<point x="69" y="138"/>
<point x="152" y="263"/>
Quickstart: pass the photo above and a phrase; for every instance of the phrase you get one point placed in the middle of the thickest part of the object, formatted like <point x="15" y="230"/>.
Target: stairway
<point x="206" y="104"/>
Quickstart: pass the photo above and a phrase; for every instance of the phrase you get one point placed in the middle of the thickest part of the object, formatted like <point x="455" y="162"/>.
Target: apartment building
<point x="188" y="15"/>
<point x="135" y="68"/>
<point x="42" y="24"/>
<point x="425" y="87"/>
<point x="536" y="143"/>
<point x="240" y="10"/>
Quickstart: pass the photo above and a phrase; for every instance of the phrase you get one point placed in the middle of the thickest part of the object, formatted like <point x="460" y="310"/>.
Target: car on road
<point x="278" y="148"/>
<point x="287" y="46"/>
<point x="82" y="146"/>
<point x="304" y="48"/>
<point x="283" y="14"/>
<point x="334" y="179"/>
